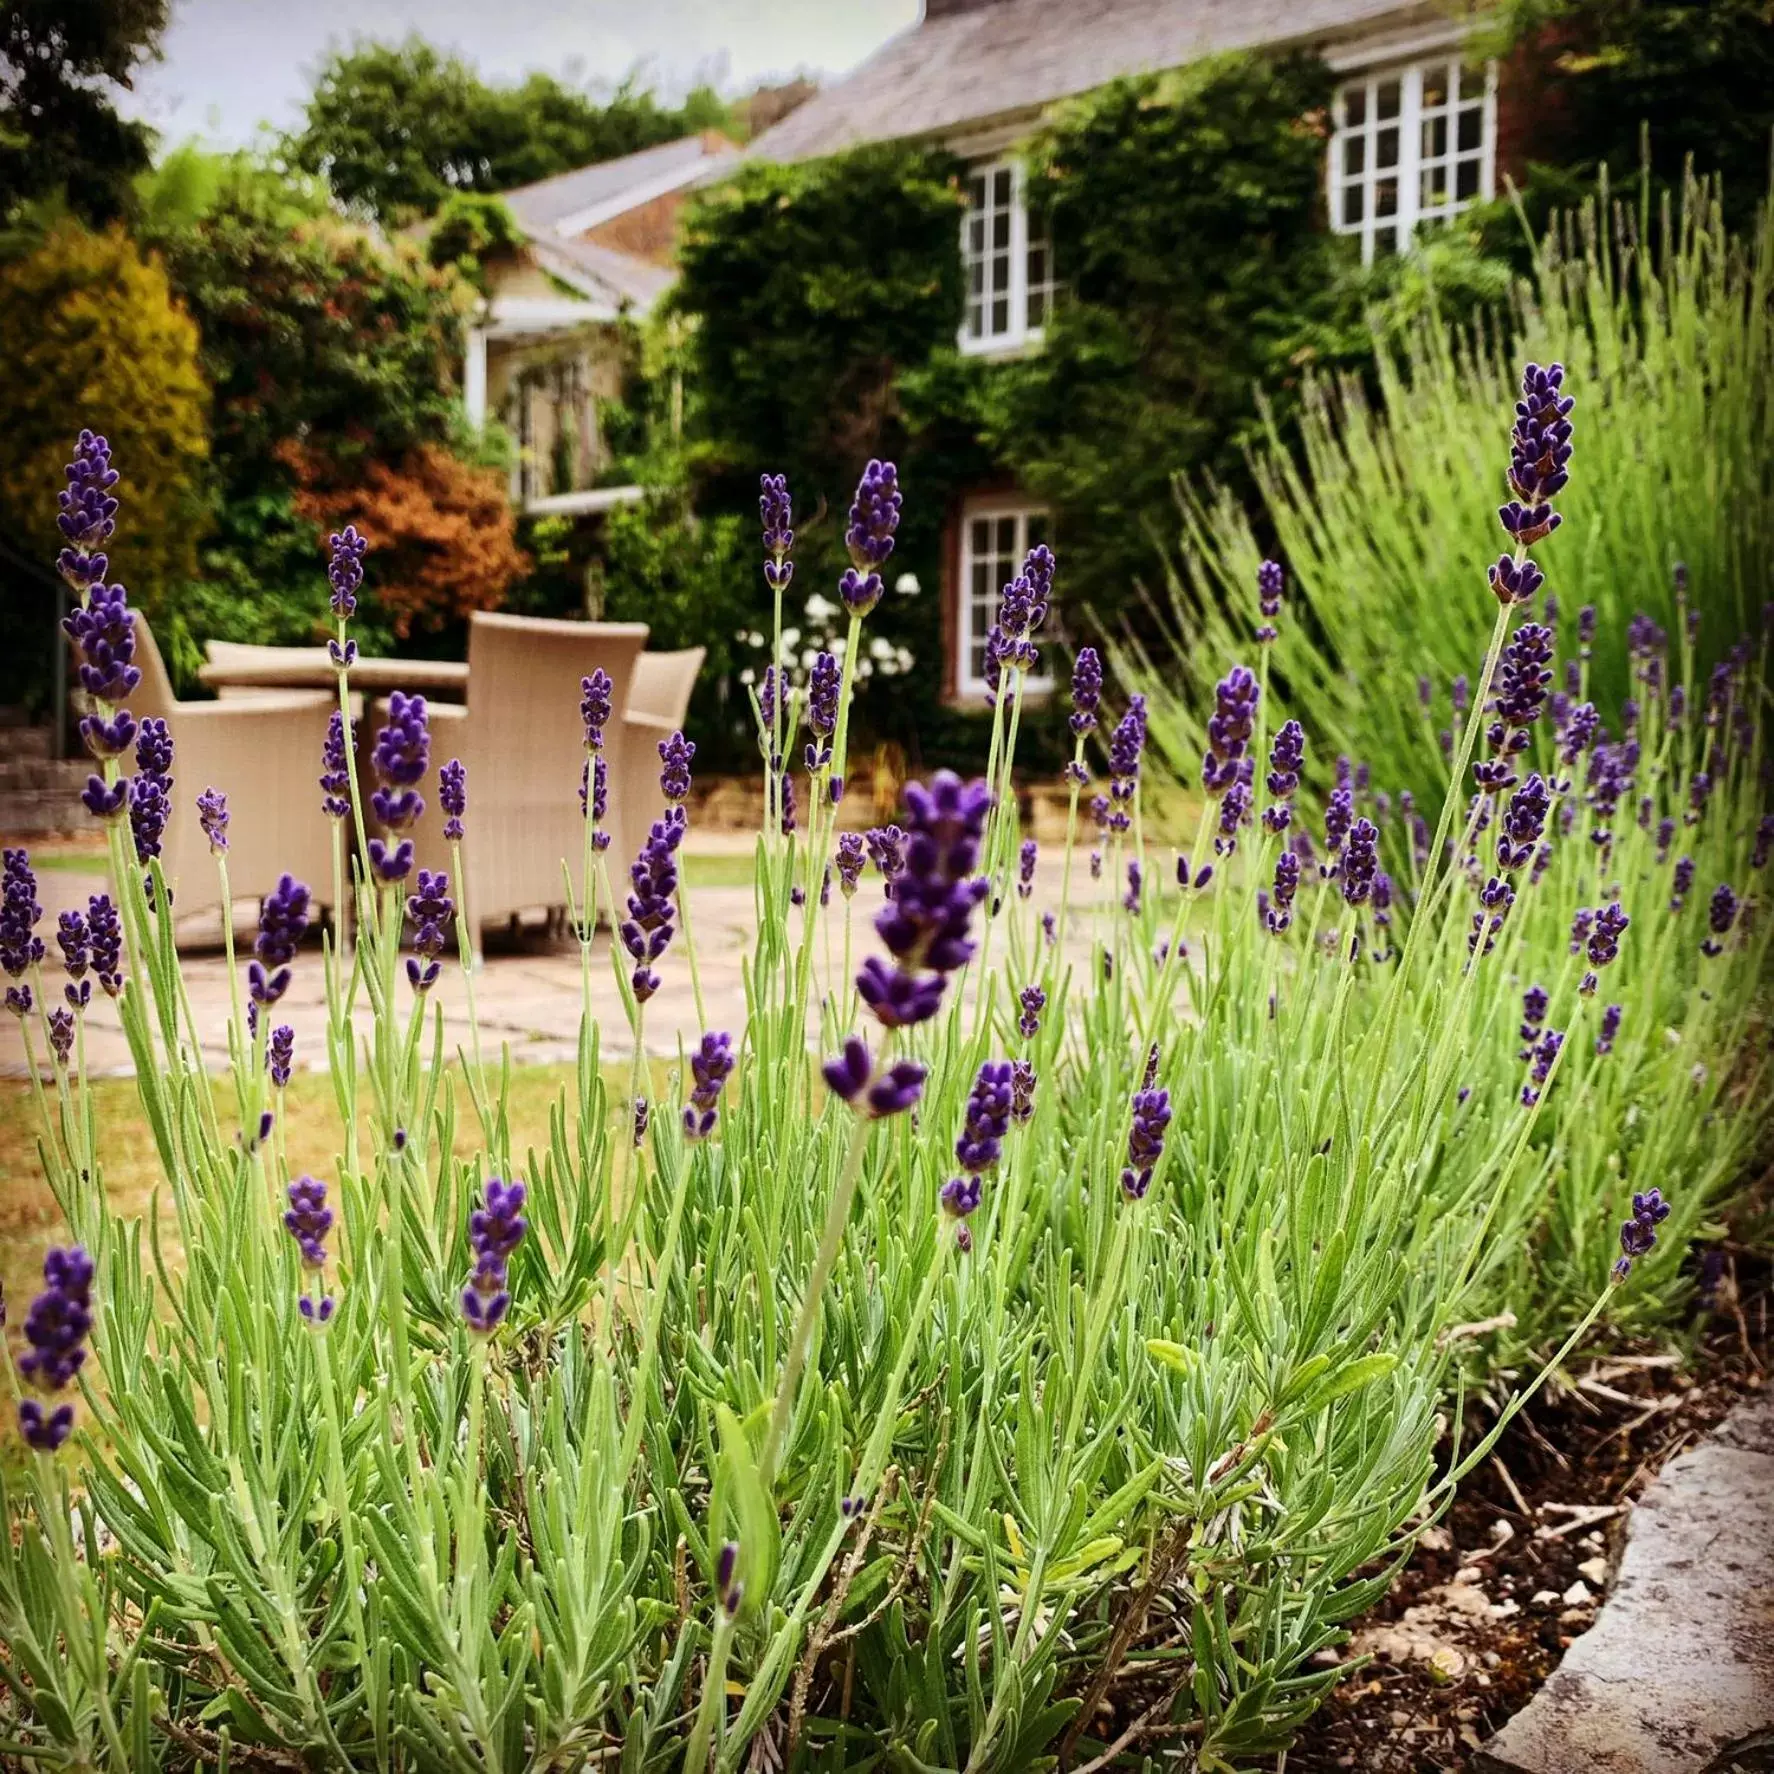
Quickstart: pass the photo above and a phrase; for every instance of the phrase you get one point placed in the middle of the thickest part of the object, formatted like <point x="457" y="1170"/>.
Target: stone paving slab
<point x="1677" y="1674"/>
<point x="528" y="990"/>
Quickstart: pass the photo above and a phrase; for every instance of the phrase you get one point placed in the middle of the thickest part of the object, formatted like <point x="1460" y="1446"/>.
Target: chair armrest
<point x="256" y="708"/>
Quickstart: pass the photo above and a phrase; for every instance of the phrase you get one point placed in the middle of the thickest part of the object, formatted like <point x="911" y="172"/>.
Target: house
<point x="596" y="252"/>
<point x="1413" y="140"/>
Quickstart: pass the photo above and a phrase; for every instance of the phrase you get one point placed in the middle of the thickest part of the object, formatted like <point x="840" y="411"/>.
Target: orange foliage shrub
<point x="442" y="532"/>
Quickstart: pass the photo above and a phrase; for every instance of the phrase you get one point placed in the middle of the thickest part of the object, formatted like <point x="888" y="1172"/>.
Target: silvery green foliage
<point x="785" y="1445"/>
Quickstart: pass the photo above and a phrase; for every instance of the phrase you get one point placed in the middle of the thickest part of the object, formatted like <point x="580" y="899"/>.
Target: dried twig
<point x="1143" y="1726"/>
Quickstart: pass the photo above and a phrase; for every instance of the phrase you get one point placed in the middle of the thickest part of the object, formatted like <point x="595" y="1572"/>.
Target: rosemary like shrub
<point x="1032" y="1334"/>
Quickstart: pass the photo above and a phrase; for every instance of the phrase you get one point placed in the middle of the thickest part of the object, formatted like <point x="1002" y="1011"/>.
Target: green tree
<point x="395" y="128"/>
<point x="315" y="333"/>
<point x="1599" y="81"/>
<point x="59" y="132"/>
<point x="94" y="338"/>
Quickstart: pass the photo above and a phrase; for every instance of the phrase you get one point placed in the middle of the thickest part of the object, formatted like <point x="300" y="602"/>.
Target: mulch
<point x="1519" y="1566"/>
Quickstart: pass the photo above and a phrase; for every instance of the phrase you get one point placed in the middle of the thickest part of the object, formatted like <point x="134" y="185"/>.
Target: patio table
<point x="313" y="671"/>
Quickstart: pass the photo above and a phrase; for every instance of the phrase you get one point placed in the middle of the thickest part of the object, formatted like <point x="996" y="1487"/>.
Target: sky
<point x="231" y="66"/>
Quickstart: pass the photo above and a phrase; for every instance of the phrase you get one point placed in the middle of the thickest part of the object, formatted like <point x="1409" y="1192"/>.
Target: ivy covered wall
<point x="824" y="302"/>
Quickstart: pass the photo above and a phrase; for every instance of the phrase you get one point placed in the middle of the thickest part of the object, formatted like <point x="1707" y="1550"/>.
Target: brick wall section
<point x="649" y="231"/>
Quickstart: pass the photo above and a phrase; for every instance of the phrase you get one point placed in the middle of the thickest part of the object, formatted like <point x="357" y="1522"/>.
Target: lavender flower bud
<point x="283" y="921"/>
<point x="1145" y="1141"/>
<point x="1610" y="1028"/>
<point x="1087" y="691"/>
<point x="56" y="1329"/>
<point x="851" y="854"/>
<point x="850" y="1077"/>
<point x="20" y="947"/>
<point x="212" y="815"/>
<point x="335" y="769"/>
<point x="105" y="932"/>
<point x="1033" y="1001"/>
<point x="345" y="569"/>
<point x="647" y="931"/>
<point x="1721" y="914"/>
<point x="675" y="754"/>
<point x="1229" y="730"/>
<point x="495" y="1230"/>
<point x="1639" y="1233"/>
<point x="710" y="1066"/>
<point x="452" y="796"/>
<point x="775" y="508"/>
<point x="280" y="1053"/>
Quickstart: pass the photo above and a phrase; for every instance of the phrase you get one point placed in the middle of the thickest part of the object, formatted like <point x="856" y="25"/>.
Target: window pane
<point x="976" y="278"/>
<point x="1386" y="148"/>
<point x="1472" y="83"/>
<point x="1433" y="187"/>
<point x="1352" y="204"/>
<point x="1006" y="541"/>
<point x="973" y="320"/>
<point x="1387" y="99"/>
<point x="1000" y="317"/>
<point x="1037" y="306"/>
<point x="1466" y="180"/>
<point x="1355" y="105"/>
<point x="1037" y="265"/>
<point x="1037" y="528"/>
<point x="1001" y="229"/>
<point x="1471" y="128"/>
<point x="1386" y="197"/>
<point x="1435" y="138"/>
<point x="1001" y="188"/>
<point x="1354" y="155"/>
<point x="1435" y="86"/>
<point x="976" y="192"/>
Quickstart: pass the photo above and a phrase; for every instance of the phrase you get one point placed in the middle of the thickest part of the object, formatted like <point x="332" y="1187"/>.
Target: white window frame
<point x="1017" y="334"/>
<point x="1361" y="92"/>
<point x="973" y="623"/>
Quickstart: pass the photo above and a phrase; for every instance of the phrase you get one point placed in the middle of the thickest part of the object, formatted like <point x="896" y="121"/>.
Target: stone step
<point x="1677" y="1674"/>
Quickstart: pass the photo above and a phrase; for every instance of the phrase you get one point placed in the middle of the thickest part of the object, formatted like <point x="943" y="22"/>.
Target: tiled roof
<point x="550" y="201"/>
<point x="996" y="59"/>
<point x="611" y="186"/>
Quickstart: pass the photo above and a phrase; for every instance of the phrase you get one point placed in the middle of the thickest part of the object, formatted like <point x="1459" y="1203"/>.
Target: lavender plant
<point x="1030" y="1341"/>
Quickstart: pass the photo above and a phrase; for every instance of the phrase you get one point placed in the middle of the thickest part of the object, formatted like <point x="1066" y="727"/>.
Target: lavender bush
<point x="1030" y="1339"/>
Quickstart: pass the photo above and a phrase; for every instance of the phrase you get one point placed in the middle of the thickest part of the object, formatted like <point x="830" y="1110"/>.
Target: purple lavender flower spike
<point x="1025" y="868"/>
<point x="1087" y="691"/>
<point x="1033" y="1001"/>
<point x="851" y="1078"/>
<point x="925" y="924"/>
<point x="1287" y="758"/>
<point x="344" y="572"/>
<point x="874" y="516"/>
<point x="1533" y="1014"/>
<point x="1604" y="937"/>
<point x="1540" y="454"/>
<point x="21" y="948"/>
<point x="103" y="632"/>
<point x="280" y="1054"/>
<point x="87" y="512"/>
<point x="1514" y="584"/>
<point x="1764" y="844"/>
<point x="960" y="1196"/>
<point x="495" y="1230"/>
<point x="1234" y="814"/>
<point x="1524" y="819"/>
<point x="1721" y="914"/>
<point x="308" y="1220"/>
<point x="981" y="1141"/>
<point x="851" y="854"/>
<point x="452" y="796"/>
<point x="1639" y="1233"/>
<point x="1360" y="862"/>
<point x="776" y="510"/>
<point x="1681" y="882"/>
<point x="104" y="928"/>
<point x="76" y="945"/>
<point x="106" y="739"/>
<point x="596" y="699"/>
<point x="61" y="1036"/>
<point x="824" y="681"/>
<point x="1609" y="1030"/>
<point x="1277" y="907"/>
<point x="401" y="757"/>
<point x="710" y="1066"/>
<point x="1229" y="730"/>
<point x="212" y="815"/>
<point x="639" y="1130"/>
<point x="675" y="754"/>
<point x="1270" y="583"/>
<point x="647" y="931"/>
<point x="335" y="770"/>
<point x="1145" y="1141"/>
<point x="1022" y="1090"/>
<point x="430" y="910"/>
<point x="56" y="1329"/>
<point x="283" y="921"/>
<point x="1544" y="1055"/>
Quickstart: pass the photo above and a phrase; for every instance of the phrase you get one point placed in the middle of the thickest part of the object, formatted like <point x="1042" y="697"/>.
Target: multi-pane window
<point x="995" y="535"/>
<point x="1412" y="144"/>
<point x="1007" y="259"/>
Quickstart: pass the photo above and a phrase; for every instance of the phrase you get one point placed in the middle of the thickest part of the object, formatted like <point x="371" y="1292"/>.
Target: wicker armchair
<point x="264" y="754"/>
<point x="521" y="738"/>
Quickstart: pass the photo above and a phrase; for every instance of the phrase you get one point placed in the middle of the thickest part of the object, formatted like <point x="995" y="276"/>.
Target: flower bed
<point x="1052" y="1369"/>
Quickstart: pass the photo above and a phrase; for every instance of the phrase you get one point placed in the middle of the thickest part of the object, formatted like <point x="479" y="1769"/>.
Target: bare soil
<point x="1499" y="1588"/>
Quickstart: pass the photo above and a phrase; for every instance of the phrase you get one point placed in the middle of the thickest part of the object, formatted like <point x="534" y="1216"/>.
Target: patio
<point x="527" y="992"/>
